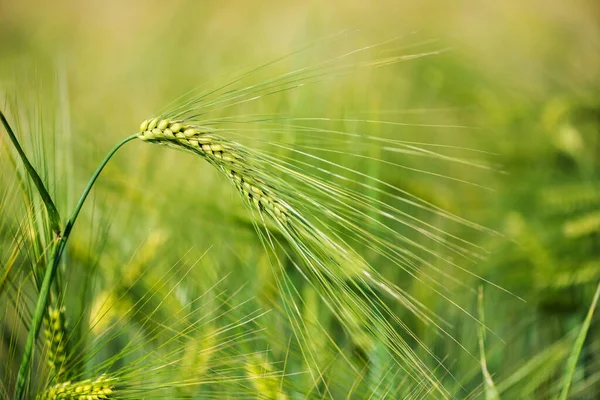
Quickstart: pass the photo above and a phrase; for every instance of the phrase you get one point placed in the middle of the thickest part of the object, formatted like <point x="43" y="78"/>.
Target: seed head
<point x="100" y="388"/>
<point x="56" y="340"/>
<point x="227" y="156"/>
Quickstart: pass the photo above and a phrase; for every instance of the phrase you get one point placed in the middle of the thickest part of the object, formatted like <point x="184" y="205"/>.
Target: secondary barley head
<point x="56" y="342"/>
<point x="99" y="388"/>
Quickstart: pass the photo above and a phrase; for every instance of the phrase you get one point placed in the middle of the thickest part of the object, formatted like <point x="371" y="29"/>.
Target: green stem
<point x="57" y="251"/>
<point x="577" y="347"/>
<point x="91" y="182"/>
<point x="50" y="207"/>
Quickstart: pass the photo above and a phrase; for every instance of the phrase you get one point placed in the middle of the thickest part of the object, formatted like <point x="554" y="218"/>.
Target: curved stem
<point x="51" y="268"/>
<point x="91" y="182"/>
<point x="50" y="207"/>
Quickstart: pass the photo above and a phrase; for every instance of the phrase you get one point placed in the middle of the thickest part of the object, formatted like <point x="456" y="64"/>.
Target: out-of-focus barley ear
<point x="265" y="378"/>
<point x="198" y="353"/>
<point x="56" y="342"/>
<point x="89" y="389"/>
<point x="53" y="215"/>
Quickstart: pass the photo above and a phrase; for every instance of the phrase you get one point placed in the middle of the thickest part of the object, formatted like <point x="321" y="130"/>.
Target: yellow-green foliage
<point x="583" y="225"/>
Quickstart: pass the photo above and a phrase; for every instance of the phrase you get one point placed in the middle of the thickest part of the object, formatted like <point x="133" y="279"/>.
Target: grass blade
<point x="50" y="207"/>
<point x="576" y="351"/>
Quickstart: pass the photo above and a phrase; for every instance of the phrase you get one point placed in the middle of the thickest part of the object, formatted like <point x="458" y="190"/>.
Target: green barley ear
<point x="56" y="341"/>
<point x="225" y="155"/>
<point x="100" y="388"/>
<point x="344" y="280"/>
<point x="265" y="378"/>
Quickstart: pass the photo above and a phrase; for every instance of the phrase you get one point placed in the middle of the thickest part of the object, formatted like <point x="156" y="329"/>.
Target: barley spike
<point x="224" y="155"/>
<point x="56" y="341"/>
<point x="89" y="389"/>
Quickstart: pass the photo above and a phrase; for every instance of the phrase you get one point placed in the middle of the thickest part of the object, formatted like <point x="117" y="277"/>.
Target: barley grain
<point x="56" y="341"/>
<point x="223" y="154"/>
<point x="89" y="389"/>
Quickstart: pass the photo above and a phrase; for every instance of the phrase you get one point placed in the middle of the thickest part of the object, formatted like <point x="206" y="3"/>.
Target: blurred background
<point x="518" y="81"/>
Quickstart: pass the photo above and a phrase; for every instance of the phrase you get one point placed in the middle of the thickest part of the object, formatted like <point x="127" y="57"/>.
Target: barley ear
<point x="100" y="388"/>
<point x="56" y="342"/>
<point x="265" y="378"/>
<point x="224" y="154"/>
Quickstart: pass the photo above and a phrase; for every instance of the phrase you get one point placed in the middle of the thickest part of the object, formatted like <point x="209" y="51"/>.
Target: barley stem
<point x="57" y="250"/>
<point x="91" y="182"/>
<point x="50" y="207"/>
